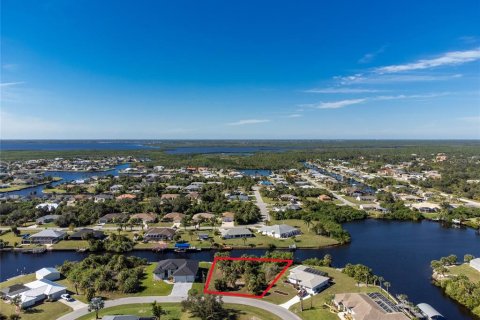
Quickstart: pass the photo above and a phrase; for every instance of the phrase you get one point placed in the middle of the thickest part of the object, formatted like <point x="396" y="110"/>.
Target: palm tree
<point x="375" y="279"/>
<point x="380" y="281"/>
<point x="387" y="285"/>
<point x="17" y="301"/>
<point x="95" y="305"/>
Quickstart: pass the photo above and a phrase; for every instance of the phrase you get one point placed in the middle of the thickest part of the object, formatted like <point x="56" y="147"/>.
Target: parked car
<point x="67" y="297"/>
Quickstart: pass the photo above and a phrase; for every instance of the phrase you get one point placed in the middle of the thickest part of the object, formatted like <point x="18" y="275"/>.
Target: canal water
<point x="67" y="176"/>
<point x="399" y="251"/>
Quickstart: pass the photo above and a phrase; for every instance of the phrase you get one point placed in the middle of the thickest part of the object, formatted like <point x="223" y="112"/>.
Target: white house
<point x="475" y="264"/>
<point x="312" y="280"/>
<point x="36" y="291"/>
<point x="47" y="273"/>
<point x="279" y="231"/>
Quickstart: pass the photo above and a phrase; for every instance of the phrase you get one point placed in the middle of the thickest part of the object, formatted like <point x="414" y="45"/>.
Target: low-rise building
<point x="475" y="264"/>
<point x="371" y="306"/>
<point x="156" y="234"/>
<point x="233" y="233"/>
<point x="181" y="270"/>
<point x="311" y="280"/>
<point x="48" y="236"/>
<point x="86" y="233"/>
<point x="51" y="274"/>
<point x="279" y="231"/>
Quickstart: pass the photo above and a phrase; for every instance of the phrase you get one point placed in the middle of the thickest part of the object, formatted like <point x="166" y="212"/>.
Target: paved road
<point x="282" y="313"/>
<point x="261" y="205"/>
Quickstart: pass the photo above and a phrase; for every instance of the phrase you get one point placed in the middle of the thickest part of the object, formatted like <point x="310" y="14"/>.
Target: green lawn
<point x="54" y="190"/>
<point x="11" y="238"/>
<point x="22" y="279"/>
<point x="281" y="286"/>
<point x="70" y="245"/>
<point x="342" y="284"/>
<point x="465" y="269"/>
<point x="174" y="312"/>
<point x="42" y="311"/>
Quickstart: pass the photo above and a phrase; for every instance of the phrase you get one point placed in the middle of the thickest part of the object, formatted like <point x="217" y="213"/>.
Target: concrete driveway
<point x="180" y="289"/>
<point x="75" y="304"/>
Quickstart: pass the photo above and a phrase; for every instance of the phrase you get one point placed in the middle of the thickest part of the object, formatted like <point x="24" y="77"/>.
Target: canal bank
<point x="399" y="251"/>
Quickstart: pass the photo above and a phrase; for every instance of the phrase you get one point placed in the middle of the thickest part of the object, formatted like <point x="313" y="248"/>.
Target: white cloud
<point x="412" y="96"/>
<point x="341" y="90"/>
<point x="447" y="59"/>
<point x="338" y="104"/>
<point x="247" y="121"/>
<point x="384" y="79"/>
<point x="9" y="84"/>
<point x="472" y="119"/>
<point x="368" y="57"/>
<point x="294" y="115"/>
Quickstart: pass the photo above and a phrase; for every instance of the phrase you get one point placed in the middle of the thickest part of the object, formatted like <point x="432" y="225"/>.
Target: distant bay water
<point x="62" y="145"/>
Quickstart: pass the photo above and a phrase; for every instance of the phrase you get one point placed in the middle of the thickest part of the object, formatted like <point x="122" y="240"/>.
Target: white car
<point x="66" y="297"/>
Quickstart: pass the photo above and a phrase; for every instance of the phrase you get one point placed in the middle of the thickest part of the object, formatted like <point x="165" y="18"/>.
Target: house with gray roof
<point x="181" y="270"/>
<point x="279" y="231"/>
<point x="47" y="236"/>
<point x="234" y="233"/>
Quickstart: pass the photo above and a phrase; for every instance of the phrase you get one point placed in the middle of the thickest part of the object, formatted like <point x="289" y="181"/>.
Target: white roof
<point x="42" y="286"/>
<point x="278" y="229"/>
<point x="307" y="279"/>
<point x="46" y="271"/>
<point x="48" y="233"/>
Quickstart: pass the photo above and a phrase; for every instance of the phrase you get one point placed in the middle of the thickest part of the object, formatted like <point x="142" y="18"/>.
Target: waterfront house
<point x="181" y="270"/>
<point x="47" y="219"/>
<point x="234" y="233"/>
<point x="373" y="207"/>
<point x="279" y="231"/>
<point x="309" y="279"/>
<point x="175" y="217"/>
<point x="34" y="292"/>
<point x="51" y="274"/>
<point x="372" y="306"/>
<point x="86" y="233"/>
<point x="156" y="234"/>
<point x="47" y="236"/>
<point x="475" y="264"/>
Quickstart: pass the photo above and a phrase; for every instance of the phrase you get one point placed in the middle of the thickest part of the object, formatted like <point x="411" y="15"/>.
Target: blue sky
<point x="240" y="69"/>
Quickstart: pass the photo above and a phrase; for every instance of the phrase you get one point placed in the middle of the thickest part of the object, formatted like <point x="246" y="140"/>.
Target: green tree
<point x="205" y="307"/>
<point x="157" y="310"/>
<point x="96" y="304"/>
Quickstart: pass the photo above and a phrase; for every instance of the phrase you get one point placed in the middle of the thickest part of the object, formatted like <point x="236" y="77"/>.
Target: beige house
<point x="371" y="306"/>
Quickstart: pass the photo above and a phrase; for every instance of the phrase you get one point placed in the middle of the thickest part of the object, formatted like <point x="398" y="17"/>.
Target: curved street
<point x="279" y="311"/>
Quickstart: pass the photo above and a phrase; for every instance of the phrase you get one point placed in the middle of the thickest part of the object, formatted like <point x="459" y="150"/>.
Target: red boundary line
<point x="210" y="274"/>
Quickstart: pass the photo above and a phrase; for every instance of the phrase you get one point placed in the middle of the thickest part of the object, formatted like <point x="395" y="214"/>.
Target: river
<point x="66" y="176"/>
<point x="399" y="251"/>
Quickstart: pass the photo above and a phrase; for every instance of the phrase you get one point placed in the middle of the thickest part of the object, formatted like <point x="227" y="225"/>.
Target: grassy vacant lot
<point x="174" y="312"/>
<point x="342" y="284"/>
<point x="465" y="269"/>
<point x="42" y="311"/>
<point x="149" y="287"/>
